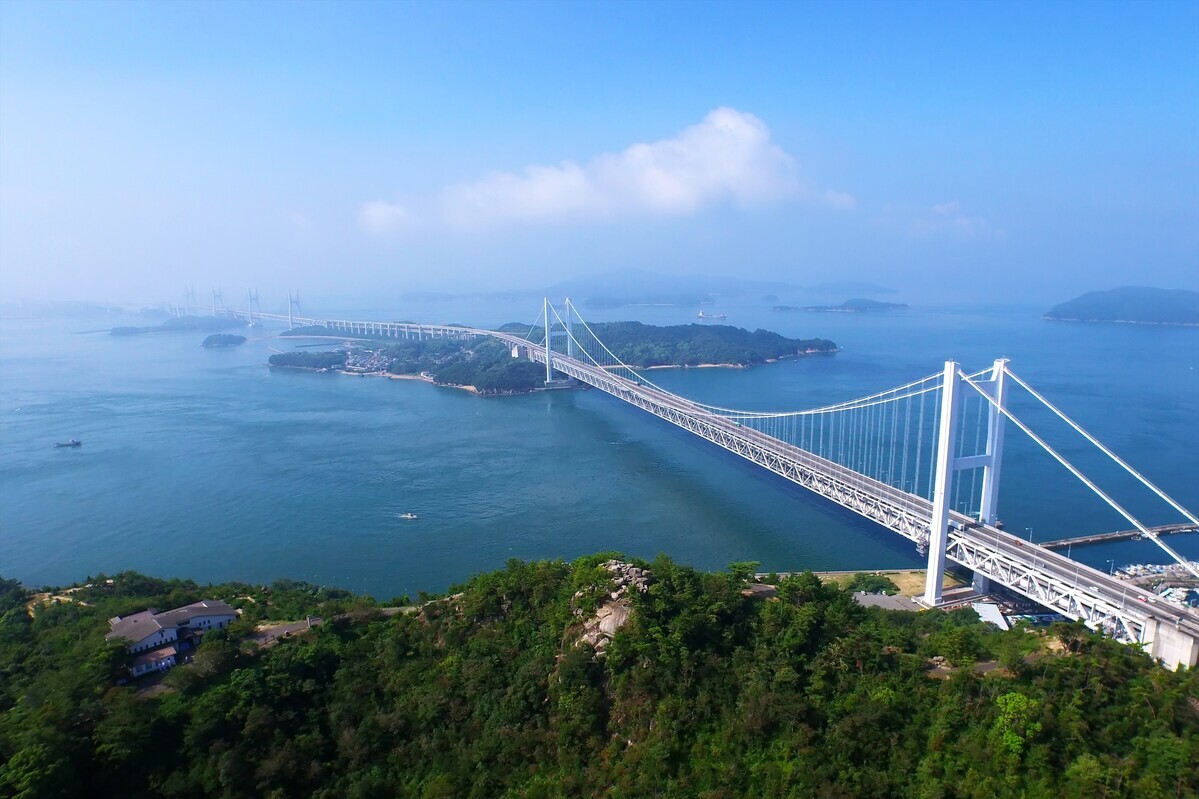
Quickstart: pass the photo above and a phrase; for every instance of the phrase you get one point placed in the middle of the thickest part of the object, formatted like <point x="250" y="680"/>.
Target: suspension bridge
<point x="923" y="460"/>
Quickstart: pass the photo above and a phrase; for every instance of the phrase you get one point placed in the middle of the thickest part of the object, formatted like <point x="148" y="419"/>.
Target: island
<point x="222" y="340"/>
<point x="849" y="306"/>
<point x="650" y="346"/>
<point x="486" y="366"/>
<point x="609" y="675"/>
<point x="1132" y="304"/>
<point x="314" y="361"/>
<point x="182" y="324"/>
<point x="482" y="365"/>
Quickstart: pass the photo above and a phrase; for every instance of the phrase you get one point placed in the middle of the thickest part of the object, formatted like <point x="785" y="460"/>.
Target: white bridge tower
<point x="948" y="462"/>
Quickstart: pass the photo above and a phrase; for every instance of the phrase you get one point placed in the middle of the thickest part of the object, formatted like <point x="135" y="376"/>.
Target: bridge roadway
<point x="1167" y="632"/>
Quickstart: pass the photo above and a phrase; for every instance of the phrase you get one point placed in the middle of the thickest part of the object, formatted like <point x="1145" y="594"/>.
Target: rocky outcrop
<point x="613" y="612"/>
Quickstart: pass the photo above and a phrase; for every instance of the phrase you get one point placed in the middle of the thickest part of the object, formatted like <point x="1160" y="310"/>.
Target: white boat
<point x="703" y="315"/>
<point x="408" y="516"/>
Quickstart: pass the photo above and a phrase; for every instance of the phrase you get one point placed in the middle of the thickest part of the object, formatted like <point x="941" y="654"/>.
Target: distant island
<point x="849" y="306"/>
<point x="182" y="324"/>
<point x="1134" y="304"/>
<point x="222" y="340"/>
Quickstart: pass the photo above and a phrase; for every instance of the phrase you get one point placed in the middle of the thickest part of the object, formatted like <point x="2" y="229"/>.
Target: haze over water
<point x="207" y="464"/>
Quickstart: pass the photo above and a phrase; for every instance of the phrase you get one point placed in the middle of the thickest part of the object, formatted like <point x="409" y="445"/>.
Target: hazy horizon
<point x="968" y="153"/>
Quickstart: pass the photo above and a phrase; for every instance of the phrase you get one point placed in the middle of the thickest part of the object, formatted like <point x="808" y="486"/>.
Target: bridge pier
<point x="1170" y="645"/>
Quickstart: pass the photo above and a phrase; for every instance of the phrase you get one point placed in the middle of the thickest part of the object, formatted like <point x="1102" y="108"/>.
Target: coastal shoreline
<point x="390" y="376"/>
<point x="736" y="365"/>
<point x="1119" y="321"/>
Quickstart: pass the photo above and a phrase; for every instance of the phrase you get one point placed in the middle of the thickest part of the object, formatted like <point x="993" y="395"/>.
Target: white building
<point x="157" y="638"/>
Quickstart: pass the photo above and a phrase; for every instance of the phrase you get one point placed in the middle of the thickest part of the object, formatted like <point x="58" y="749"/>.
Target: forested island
<point x="221" y="340"/>
<point x="507" y="686"/>
<point x="849" y="306"/>
<point x="182" y="324"/>
<point x="316" y="361"/>
<point x="642" y="345"/>
<point x="1136" y="304"/>
<point x="487" y="365"/>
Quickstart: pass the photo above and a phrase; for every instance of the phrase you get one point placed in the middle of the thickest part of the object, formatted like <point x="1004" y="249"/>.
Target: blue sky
<point x="957" y="151"/>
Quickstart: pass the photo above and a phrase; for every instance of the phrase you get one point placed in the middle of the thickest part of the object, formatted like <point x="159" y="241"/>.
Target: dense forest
<point x="1131" y="304"/>
<point x="333" y="359"/>
<point x="707" y="691"/>
<point x="690" y="345"/>
<point x="642" y="345"/>
<point x="183" y="324"/>
<point x="220" y="340"/>
<point x="485" y="364"/>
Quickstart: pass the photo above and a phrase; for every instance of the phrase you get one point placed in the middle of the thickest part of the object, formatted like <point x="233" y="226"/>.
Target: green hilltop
<point x="497" y="690"/>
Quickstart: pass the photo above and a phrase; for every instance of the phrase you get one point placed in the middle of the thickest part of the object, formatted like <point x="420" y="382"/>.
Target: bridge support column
<point x="549" y="344"/>
<point x="988" y="509"/>
<point x="947" y="436"/>
<point x="570" y="329"/>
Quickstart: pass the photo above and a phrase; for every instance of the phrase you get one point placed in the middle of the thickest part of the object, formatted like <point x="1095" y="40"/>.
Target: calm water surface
<point x="206" y="464"/>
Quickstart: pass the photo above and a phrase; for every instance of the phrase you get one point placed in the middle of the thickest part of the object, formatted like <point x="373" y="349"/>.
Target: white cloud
<point x="949" y="218"/>
<point x="383" y="218"/>
<point x="727" y="157"/>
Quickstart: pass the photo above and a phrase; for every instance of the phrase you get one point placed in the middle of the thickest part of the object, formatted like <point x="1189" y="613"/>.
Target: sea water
<point x="208" y="464"/>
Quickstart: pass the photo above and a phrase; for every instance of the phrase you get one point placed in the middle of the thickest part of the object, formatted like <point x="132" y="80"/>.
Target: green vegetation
<point x="485" y="364"/>
<point x="872" y="584"/>
<point x="182" y="324"/>
<point x="1131" y="304"/>
<point x="690" y="345"/>
<point x="488" y="365"/>
<point x="643" y="345"/>
<point x="219" y="340"/>
<point x="704" y="693"/>
<point x="333" y="359"/>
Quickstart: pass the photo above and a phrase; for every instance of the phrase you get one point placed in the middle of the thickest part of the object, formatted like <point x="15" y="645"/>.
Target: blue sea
<point x="207" y="464"/>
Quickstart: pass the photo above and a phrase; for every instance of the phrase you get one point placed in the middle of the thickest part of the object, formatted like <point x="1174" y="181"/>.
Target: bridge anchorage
<point x="922" y="459"/>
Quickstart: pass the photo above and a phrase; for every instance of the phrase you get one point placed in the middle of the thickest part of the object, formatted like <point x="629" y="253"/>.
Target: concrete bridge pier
<point x="1168" y="644"/>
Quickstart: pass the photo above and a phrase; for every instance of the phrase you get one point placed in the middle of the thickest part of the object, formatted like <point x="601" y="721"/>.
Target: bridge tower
<point x="189" y="299"/>
<point x="566" y="330"/>
<point x="216" y="295"/>
<point x="549" y="344"/>
<point x="990" y="460"/>
<point x="570" y="329"/>
<point x="292" y="302"/>
<point x="251" y="305"/>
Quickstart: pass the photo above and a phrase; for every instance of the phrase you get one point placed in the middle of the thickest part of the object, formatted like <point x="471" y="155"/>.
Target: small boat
<point x="74" y="442"/>
<point x="408" y="516"/>
<point x="703" y="315"/>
